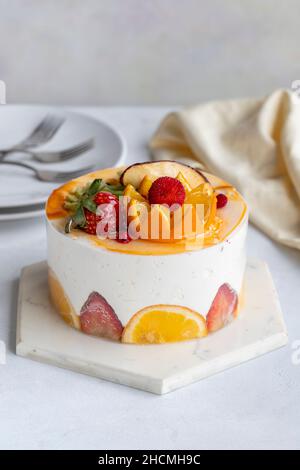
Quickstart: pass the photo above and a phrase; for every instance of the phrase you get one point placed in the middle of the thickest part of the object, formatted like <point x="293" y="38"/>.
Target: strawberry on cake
<point x="152" y="253"/>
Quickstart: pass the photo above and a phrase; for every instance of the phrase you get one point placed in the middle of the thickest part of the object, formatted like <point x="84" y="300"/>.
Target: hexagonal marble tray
<point x="42" y="335"/>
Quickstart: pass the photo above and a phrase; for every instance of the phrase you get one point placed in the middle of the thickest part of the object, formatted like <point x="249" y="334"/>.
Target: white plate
<point x="18" y="187"/>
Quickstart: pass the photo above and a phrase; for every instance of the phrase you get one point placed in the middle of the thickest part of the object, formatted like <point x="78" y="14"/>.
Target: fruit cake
<point x="151" y="253"/>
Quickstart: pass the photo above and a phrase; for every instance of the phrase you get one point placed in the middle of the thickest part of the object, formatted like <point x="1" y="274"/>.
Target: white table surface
<point x="255" y="405"/>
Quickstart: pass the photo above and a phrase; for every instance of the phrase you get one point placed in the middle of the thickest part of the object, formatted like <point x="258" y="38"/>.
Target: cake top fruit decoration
<point x="158" y="201"/>
<point x="166" y="190"/>
<point x="140" y="196"/>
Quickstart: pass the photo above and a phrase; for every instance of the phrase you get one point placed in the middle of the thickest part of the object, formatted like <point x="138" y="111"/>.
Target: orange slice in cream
<point x="164" y="324"/>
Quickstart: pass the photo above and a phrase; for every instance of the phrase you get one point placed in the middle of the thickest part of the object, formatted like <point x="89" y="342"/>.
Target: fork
<point x="60" y="155"/>
<point x="50" y="175"/>
<point x="41" y="134"/>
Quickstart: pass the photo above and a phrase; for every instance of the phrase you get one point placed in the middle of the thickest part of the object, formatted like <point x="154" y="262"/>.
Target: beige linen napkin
<point x="254" y="144"/>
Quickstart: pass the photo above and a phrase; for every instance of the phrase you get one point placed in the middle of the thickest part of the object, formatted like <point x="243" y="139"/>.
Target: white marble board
<point x="42" y="335"/>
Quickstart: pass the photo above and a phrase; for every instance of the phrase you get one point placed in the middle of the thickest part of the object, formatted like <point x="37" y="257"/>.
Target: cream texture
<point x="130" y="282"/>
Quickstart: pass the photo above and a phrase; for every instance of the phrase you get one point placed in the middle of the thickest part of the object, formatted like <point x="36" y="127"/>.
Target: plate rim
<point x="65" y="109"/>
<point x="22" y="215"/>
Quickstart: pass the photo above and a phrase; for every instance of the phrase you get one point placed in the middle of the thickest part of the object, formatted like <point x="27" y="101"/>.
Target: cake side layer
<point x="132" y="282"/>
<point x="150" y="288"/>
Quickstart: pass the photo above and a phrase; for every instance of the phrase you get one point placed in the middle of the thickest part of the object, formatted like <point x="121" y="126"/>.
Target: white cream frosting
<point x="130" y="282"/>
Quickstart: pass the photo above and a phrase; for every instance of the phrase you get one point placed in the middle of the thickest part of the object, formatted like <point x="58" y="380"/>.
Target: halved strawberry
<point x="222" y="308"/>
<point x="109" y="207"/>
<point x="98" y="318"/>
<point x="105" y="198"/>
<point x="82" y="203"/>
<point x="91" y="221"/>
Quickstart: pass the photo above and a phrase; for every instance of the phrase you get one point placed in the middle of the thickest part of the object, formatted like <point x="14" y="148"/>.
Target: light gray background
<point x="146" y="51"/>
<point x="252" y="406"/>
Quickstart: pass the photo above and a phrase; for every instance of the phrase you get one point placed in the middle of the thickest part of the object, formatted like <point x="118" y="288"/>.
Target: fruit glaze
<point x="118" y="266"/>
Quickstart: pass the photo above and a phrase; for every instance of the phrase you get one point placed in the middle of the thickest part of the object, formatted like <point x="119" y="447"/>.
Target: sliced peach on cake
<point x="61" y="301"/>
<point x="200" y="194"/>
<point x="204" y="195"/>
<point x="180" y="177"/>
<point x="164" y="324"/>
<point x="132" y="193"/>
<point x="138" y="218"/>
<point x="159" y="223"/>
<point x="135" y="174"/>
<point x="223" y="308"/>
<point x="192" y="222"/>
<point x="145" y="185"/>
